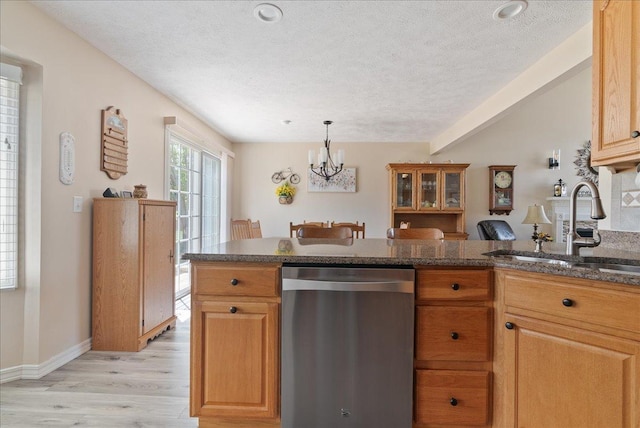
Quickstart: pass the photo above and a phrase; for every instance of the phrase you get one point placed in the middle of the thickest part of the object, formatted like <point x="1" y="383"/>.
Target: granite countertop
<point x="417" y="252"/>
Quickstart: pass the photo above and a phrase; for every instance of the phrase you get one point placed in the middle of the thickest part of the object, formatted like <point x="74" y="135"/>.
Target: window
<point x="194" y="183"/>
<point x="9" y="161"/>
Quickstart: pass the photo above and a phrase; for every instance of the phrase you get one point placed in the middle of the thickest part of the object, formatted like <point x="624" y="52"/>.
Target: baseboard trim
<point x="37" y="371"/>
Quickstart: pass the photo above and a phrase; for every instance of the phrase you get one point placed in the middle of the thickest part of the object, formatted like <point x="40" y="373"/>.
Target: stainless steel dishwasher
<point x="347" y="347"/>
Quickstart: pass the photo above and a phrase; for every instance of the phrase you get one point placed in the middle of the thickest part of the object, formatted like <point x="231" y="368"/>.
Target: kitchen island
<point x="519" y="328"/>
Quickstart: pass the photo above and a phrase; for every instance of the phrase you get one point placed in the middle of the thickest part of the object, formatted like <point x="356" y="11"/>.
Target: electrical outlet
<point x="77" y="204"/>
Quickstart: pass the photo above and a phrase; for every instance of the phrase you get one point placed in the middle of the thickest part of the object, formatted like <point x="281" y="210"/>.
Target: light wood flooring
<point x="146" y="389"/>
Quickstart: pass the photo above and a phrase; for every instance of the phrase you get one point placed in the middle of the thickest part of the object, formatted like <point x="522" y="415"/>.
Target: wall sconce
<point x="554" y="160"/>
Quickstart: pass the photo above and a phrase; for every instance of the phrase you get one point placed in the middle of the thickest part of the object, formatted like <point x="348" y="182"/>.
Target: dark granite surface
<point x="418" y="252"/>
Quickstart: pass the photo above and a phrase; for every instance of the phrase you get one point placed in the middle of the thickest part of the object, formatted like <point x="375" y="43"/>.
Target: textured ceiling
<point x="383" y="71"/>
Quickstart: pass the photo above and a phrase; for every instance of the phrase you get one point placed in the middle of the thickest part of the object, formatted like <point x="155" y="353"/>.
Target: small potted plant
<point x="285" y="193"/>
<point x="539" y="239"/>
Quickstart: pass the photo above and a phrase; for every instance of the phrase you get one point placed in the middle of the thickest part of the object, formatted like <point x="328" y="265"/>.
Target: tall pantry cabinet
<point x="133" y="272"/>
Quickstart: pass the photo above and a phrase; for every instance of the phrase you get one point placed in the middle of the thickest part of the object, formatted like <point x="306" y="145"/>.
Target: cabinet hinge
<point x="143" y="323"/>
<point x="144" y="216"/>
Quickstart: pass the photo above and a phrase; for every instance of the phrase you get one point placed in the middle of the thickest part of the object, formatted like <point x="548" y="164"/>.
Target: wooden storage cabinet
<point x="453" y="347"/>
<point x="133" y="272"/>
<point x="235" y="344"/>
<point x="616" y="84"/>
<point x="571" y="353"/>
<point x="429" y="195"/>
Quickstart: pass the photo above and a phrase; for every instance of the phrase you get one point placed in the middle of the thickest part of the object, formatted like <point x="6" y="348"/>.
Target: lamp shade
<point x="536" y="215"/>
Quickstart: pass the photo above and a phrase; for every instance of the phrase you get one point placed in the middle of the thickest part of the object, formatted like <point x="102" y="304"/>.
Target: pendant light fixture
<point x="327" y="166"/>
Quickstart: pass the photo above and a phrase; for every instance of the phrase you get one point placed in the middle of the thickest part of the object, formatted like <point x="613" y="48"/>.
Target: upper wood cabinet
<point x="616" y="84"/>
<point x="429" y="195"/>
<point x="133" y="272"/>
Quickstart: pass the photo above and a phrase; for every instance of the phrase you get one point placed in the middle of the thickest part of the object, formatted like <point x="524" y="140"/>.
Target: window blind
<point x="9" y="161"/>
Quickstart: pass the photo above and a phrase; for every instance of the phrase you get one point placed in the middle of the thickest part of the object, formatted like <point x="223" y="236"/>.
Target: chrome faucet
<point x="574" y="241"/>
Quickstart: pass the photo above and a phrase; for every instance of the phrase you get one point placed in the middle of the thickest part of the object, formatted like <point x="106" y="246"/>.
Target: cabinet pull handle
<point x="567" y="302"/>
<point x="455" y="286"/>
<point x="635" y="134"/>
<point x="171" y="255"/>
<point x="454" y="335"/>
<point x="234" y="282"/>
<point x="453" y="401"/>
<point x="233" y="309"/>
<point x="509" y="326"/>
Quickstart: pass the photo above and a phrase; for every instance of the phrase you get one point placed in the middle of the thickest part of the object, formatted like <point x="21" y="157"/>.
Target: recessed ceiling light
<point x="267" y="12"/>
<point x="510" y="9"/>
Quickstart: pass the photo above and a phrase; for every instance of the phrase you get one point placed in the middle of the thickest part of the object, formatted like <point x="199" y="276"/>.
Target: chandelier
<point x="327" y="166"/>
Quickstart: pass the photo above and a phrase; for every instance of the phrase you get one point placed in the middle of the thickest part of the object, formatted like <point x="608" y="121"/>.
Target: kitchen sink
<point x="528" y="259"/>
<point x="607" y="267"/>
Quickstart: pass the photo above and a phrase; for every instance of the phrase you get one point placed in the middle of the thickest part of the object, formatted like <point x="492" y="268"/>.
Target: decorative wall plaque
<point x="115" y="145"/>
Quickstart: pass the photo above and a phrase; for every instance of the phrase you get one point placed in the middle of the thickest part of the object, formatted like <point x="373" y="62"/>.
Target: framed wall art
<point x="344" y="182"/>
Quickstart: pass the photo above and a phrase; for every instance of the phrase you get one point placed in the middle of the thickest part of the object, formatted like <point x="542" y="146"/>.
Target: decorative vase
<point x="285" y="200"/>
<point x="140" y="191"/>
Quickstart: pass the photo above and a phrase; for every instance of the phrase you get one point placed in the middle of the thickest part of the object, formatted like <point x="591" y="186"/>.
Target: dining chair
<point x="415" y="233"/>
<point x="256" y="231"/>
<point x="240" y="229"/>
<point x="325" y="232"/>
<point x="293" y="228"/>
<point x="358" y="229"/>
<point x="316" y="223"/>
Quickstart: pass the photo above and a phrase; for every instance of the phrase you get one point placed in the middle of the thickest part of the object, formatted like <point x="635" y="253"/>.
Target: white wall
<point x="51" y="313"/>
<point x="559" y="118"/>
<point x="255" y="198"/>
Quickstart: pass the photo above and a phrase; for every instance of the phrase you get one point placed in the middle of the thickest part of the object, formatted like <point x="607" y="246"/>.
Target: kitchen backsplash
<point x="625" y="203"/>
<point x="627" y="241"/>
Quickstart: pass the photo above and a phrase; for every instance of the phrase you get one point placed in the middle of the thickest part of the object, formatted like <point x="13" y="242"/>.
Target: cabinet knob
<point x="635" y="134"/>
<point x="455" y="287"/>
<point x="233" y="309"/>
<point x="453" y="401"/>
<point x="234" y="282"/>
<point x="567" y="302"/>
<point x="454" y="335"/>
<point x="509" y="326"/>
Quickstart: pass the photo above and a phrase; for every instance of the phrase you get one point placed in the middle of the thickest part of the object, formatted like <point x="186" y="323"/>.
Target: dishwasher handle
<point x="394" y="286"/>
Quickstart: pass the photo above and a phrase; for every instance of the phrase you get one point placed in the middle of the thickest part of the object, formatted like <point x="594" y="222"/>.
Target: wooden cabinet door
<point x="234" y="360"/>
<point x="429" y="195"/>
<point x="452" y="190"/>
<point x="403" y="190"/>
<point x="616" y="83"/>
<point x="559" y="376"/>
<point x="158" y="264"/>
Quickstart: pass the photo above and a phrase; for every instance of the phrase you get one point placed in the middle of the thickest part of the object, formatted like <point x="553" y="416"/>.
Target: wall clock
<point x="501" y="189"/>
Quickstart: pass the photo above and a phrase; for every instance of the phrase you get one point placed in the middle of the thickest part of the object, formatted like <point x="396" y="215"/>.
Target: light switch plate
<point x="77" y="204"/>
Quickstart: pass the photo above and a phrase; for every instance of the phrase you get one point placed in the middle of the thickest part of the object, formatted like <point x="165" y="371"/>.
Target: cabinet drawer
<point x="236" y="279"/>
<point x="453" y="284"/>
<point x="611" y="308"/>
<point x="453" y="333"/>
<point x="452" y="397"/>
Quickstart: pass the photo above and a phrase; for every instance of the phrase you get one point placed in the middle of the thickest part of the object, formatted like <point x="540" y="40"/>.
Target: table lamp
<point x="536" y="216"/>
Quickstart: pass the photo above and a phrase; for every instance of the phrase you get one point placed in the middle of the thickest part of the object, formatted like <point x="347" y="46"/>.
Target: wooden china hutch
<point x="429" y="195"/>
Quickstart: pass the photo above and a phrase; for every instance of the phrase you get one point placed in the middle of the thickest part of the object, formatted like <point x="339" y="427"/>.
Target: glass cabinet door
<point x="429" y="194"/>
<point x="404" y="190"/>
<point x="452" y="190"/>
